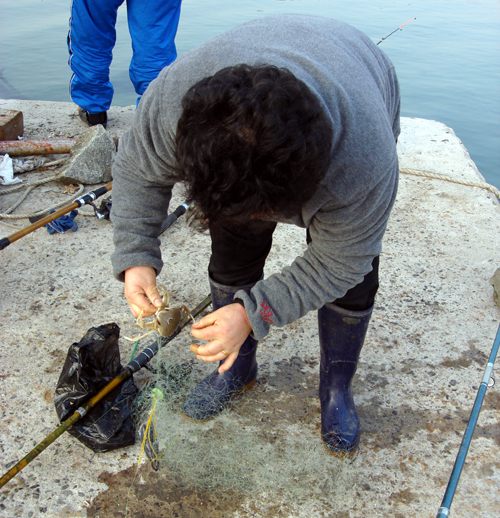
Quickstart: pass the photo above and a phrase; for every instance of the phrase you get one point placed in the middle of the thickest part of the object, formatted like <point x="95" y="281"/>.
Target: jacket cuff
<point x="120" y="264"/>
<point x="260" y="326"/>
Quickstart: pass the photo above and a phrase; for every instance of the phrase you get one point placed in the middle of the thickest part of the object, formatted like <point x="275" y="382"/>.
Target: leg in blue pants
<point x="92" y="37"/>
<point x="152" y="27"/>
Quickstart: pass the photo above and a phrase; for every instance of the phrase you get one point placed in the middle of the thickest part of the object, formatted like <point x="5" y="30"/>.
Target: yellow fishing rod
<point x="83" y="200"/>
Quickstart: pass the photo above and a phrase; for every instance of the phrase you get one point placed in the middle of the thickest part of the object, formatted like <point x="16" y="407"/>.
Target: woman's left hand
<point x="226" y="329"/>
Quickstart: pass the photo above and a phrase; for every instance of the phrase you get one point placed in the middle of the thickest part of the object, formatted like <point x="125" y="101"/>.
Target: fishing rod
<point x="174" y="216"/>
<point x="132" y="367"/>
<point x="444" y="510"/>
<point x="400" y="28"/>
<point x="84" y="200"/>
<point x="105" y="209"/>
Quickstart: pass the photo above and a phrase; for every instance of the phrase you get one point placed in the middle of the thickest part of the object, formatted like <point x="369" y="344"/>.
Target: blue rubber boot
<point x="212" y="394"/>
<point x="341" y="336"/>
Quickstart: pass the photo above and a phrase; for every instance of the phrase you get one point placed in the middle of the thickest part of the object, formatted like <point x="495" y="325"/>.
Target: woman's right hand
<point x="141" y="291"/>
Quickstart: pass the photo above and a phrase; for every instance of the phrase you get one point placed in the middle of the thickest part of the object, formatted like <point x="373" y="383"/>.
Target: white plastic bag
<point x="7" y="171"/>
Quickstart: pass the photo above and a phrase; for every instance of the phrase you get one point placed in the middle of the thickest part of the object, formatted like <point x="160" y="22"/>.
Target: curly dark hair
<point x="251" y="142"/>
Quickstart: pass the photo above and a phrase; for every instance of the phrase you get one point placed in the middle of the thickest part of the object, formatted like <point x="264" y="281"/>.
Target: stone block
<point x="90" y="158"/>
<point x="11" y="124"/>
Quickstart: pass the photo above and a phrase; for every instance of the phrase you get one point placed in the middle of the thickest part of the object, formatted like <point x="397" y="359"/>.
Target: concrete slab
<point x="430" y="336"/>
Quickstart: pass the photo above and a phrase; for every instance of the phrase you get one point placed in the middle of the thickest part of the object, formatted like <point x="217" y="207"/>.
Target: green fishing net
<point x="235" y="451"/>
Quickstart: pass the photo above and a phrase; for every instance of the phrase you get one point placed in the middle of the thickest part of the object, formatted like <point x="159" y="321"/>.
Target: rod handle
<point x="174" y="216"/>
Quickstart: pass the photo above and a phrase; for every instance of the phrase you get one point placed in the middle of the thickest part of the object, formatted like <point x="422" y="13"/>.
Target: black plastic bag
<point x="90" y="365"/>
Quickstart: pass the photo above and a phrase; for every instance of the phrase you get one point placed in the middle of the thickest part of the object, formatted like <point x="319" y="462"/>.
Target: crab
<point x="165" y="320"/>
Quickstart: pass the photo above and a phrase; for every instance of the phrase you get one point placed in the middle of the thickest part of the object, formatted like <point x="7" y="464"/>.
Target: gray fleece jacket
<point x="347" y="217"/>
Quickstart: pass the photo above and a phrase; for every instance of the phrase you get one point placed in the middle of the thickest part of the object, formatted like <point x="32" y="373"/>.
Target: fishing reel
<point x="104" y="209"/>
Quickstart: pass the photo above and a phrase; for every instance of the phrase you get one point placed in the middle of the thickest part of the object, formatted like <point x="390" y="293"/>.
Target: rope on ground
<point x="17" y="227"/>
<point x="81" y="212"/>
<point x="29" y="188"/>
<point x="56" y="162"/>
<point x="7" y="214"/>
<point x="482" y="185"/>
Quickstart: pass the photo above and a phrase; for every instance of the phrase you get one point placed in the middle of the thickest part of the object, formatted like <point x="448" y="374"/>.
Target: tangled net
<point x="232" y="452"/>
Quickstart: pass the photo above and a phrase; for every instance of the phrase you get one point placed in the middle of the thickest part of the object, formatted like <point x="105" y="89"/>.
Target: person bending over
<point x="291" y="119"/>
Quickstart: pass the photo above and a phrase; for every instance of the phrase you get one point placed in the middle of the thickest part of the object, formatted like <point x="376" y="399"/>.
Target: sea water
<point x="447" y="59"/>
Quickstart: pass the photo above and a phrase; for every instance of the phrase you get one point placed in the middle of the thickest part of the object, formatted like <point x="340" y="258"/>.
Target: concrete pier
<point x="432" y="330"/>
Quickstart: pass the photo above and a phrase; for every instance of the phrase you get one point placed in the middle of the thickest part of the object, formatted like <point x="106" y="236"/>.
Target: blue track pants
<point x="91" y="38"/>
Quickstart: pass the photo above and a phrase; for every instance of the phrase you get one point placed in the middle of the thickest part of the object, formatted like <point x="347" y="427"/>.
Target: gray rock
<point x="90" y="158"/>
<point x="495" y="281"/>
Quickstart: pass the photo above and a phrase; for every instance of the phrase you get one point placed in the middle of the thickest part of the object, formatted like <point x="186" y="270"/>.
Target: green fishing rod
<point x="444" y="510"/>
<point x="133" y="366"/>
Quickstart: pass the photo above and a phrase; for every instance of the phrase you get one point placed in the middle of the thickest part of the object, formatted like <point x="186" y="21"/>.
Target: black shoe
<point x="92" y="119"/>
